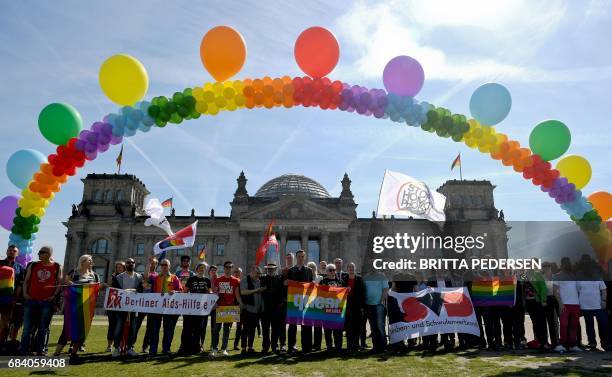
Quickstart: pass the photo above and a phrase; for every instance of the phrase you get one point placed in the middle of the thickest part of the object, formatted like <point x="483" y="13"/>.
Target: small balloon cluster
<point x="97" y="139"/>
<point x="126" y="123"/>
<point x="174" y="109"/>
<point x="445" y="124"/>
<point x="561" y="190"/>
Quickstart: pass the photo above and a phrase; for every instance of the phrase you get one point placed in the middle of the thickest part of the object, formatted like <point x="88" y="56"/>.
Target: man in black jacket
<point x="273" y="320"/>
<point x="302" y="274"/>
<point x="355" y="308"/>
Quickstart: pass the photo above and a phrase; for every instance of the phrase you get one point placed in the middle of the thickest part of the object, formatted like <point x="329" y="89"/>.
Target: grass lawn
<point x="97" y="362"/>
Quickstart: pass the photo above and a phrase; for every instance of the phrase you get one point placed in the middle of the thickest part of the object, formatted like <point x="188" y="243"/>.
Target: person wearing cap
<point x="273" y="318"/>
<point x="194" y="326"/>
<point x="333" y="337"/>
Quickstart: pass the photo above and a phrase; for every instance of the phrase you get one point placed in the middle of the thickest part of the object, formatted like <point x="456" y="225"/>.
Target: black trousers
<point x="194" y="326"/>
<point x="492" y="321"/>
<point x="306" y="335"/>
<point x="551" y="311"/>
<point x="249" y="326"/>
<point x="333" y="339"/>
<point x="513" y="321"/>
<point x="352" y="325"/>
<point x="318" y="338"/>
<point x="538" y="320"/>
<point x="273" y="329"/>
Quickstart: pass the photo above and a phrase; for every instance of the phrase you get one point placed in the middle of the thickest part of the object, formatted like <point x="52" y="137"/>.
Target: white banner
<point x="177" y="303"/>
<point x="429" y="312"/>
<point x="403" y="195"/>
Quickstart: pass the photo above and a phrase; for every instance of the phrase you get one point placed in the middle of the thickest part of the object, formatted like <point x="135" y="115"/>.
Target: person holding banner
<point x="376" y="290"/>
<point x="227" y="287"/>
<point x="318" y="330"/>
<point x="40" y="288"/>
<point x="164" y="282"/>
<point x="194" y="326"/>
<point x="149" y="270"/>
<point x="112" y="316"/>
<point x="126" y="321"/>
<point x="250" y="290"/>
<point x="82" y="274"/>
<point x="300" y="273"/>
<point x="332" y="279"/>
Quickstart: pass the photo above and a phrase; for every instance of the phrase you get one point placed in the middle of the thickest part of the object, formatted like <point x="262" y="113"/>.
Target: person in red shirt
<point x="227" y="287"/>
<point x="40" y="288"/>
<point x="164" y="282"/>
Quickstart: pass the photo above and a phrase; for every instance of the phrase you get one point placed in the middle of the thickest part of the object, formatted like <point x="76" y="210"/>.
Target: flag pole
<point x="460" y="171"/>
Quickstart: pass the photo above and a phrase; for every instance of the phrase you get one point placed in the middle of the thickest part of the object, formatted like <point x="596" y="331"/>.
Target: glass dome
<point x="292" y="184"/>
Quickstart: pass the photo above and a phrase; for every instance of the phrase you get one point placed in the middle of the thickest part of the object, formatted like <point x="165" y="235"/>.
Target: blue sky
<point x="552" y="56"/>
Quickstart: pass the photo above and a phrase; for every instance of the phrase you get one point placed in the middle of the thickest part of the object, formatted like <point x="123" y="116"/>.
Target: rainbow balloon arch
<point x="223" y="52"/>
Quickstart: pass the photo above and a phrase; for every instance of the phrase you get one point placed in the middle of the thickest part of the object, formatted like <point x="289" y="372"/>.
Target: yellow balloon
<point x="123" y="79"/>
<point x="576" y="169"/>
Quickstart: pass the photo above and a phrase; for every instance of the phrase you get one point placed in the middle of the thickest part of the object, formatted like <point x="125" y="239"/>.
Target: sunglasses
<point x="165" y="265"/>
<point x="230" y="266"/>
<point x="43" y="252"/>
<point x="130" y="262"/>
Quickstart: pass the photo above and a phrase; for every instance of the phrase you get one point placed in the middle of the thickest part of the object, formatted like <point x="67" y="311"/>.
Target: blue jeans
<point x="602" y="326"/>
<point x="216" y="329"/>
<point x="37" y="317"/>
<point x="122" y="318"/>
<point x="376" y="316"/>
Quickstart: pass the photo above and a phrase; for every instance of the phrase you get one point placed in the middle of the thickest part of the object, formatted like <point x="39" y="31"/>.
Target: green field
<point x="97" y="362"/>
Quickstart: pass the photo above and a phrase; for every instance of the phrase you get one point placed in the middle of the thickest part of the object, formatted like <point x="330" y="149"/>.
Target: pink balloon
<point x="403" y="76"/>
<point x="8" y="205"/>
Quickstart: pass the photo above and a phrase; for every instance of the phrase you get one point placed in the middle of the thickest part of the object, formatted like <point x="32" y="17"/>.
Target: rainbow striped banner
<point x="7" y="284"/>
<point x="494" y="292"/>
<point x="79" y="308"/>
<point x="311" y="304"/>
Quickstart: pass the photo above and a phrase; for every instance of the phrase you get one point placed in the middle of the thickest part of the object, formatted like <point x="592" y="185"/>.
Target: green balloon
<point x="550" y="139"/>
<point x="59" y="122"/>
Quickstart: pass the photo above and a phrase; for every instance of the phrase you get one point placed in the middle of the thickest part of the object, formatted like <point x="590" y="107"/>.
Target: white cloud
<point x="502" y="34"/>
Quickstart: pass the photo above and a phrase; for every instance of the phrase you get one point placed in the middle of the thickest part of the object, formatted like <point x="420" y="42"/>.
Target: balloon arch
<point x="223" y="51"/>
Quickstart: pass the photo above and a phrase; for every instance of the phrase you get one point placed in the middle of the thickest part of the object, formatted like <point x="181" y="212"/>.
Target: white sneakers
<point x="115" y="352"/>
<point x="212" y="353"/>
<point x="559" y="348"/>
<point x="224" y="353"/>
<point x="131" y="352"/>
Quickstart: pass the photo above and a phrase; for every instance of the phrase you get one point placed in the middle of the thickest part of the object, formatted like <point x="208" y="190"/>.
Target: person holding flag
<point x="164" y="282"/>
<point x="74" y="297"/>
<point x="128" y="280"/>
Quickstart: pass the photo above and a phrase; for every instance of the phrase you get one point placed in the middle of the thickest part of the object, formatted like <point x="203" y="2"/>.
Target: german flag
<point x="457" y="161"/>
<point x="167" y="203"/>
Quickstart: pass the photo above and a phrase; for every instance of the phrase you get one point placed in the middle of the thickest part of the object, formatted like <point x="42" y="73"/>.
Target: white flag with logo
<point x="403" y="195"/>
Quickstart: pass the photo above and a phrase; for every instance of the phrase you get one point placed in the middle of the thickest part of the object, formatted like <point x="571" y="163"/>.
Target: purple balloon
<point x="404" y="76"/>
<point x="24" y="259"/>
<point x="116" y="140"/>
<point x="8" y="205"/>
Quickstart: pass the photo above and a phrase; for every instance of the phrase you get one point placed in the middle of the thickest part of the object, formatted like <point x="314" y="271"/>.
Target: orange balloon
<point x="602" y="202"/>
<point x="223" y="52"/>
<point x="316" y="51"/>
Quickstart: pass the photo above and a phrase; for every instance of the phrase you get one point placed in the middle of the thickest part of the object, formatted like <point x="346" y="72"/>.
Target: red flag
<point x="263" y="247"/>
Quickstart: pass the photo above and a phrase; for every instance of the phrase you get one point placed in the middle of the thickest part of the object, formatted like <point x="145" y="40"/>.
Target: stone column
<point x="69" y="248"/>
<point x="80" y="250"/>
<point x="283" y="244"/>
<point x="209" y="250"/>
<point x="243" y="252"/>
<point x="324" y="248"/>
<point x="304" y="242"/>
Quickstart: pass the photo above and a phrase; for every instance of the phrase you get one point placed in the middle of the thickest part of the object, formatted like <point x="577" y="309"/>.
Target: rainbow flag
<point x="311" y="304"/>
<point x="79" y="308"/>
<point x="7" y="284"/>
<point x="493" y="292"/>
<point x="182" y="239"/>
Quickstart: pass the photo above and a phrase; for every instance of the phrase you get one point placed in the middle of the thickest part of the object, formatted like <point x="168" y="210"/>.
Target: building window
<point x="140" y="268"/>
<point x="119" y="196"/>
<point x="97" y="195"/>
<point x="140" y="248"/>
<point x="108" y="196"/>
<point x="180" y="252"/>
<point x="99" y="246"/>
<point x="101" y="271"/>
<point x="313" y="250"/>
<point x="220" y="250"/>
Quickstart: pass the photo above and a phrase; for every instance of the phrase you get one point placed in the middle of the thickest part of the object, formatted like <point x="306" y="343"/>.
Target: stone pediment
<point x="295" y="207"/>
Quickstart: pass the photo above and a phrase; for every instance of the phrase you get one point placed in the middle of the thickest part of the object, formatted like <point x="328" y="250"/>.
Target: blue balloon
<point x="490" y="104"/>
<point x="22" y="165"/>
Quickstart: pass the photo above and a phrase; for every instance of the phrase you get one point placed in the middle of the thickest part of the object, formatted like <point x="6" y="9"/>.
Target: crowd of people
<point x="554" y="299"/>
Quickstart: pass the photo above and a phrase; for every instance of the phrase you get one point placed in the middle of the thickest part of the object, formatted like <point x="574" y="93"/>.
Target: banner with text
<point x="311" y="304"/>
<point x="177" y="303"/>
<point x="226" y="314"/>
<point x="429" y="312"/>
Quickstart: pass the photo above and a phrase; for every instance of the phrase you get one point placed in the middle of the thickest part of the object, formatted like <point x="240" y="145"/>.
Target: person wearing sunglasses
<point x="40" y="288"/>
<point x="128" y="280"/>
<point x="164" y="282"/>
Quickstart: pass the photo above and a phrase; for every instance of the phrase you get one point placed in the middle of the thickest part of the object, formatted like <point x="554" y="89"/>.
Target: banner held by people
<point x="79" y="309"/>
<point x="405" y="196"/>
<point x="494" y="292"/>
<point x="429" y="312"/>
<point x="311" y="304"/>
<point x="177" y="303"/>
<point x="182" y="239"/>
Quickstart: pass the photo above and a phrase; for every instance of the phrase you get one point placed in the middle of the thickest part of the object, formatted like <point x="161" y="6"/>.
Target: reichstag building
<point x="109" y="222"/>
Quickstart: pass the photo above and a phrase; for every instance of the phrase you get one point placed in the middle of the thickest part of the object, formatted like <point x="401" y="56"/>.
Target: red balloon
<point x="316" y="51"/>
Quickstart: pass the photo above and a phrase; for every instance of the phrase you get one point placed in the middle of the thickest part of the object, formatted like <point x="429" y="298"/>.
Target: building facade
<point x="108" y="223"/>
